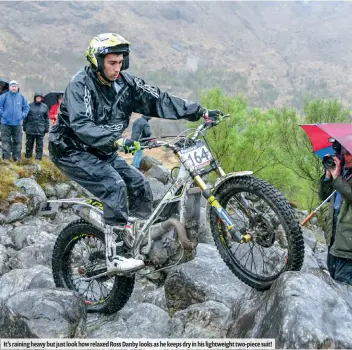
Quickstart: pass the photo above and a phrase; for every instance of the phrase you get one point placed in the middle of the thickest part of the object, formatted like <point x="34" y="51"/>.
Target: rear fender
<point x="53" y="205"/>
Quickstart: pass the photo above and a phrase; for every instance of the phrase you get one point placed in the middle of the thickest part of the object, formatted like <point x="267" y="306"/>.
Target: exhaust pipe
<point x="161" y="228"/>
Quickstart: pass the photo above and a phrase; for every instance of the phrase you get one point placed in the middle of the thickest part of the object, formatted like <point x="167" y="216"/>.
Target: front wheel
<point x="79" y="252"/>
<point x="257" y="208"/>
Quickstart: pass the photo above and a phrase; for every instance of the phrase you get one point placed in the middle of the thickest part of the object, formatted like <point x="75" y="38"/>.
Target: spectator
<point x="36" y="125"/>
<point x="339" y="221"/>
<point x="140" y="130"/>
<point x="3" y="87"/>
<point x="13" y="109"/>
<point x="54" y="110"/>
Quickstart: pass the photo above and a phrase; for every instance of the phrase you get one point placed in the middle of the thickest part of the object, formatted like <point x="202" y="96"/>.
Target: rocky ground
<point x="199" y="299"/>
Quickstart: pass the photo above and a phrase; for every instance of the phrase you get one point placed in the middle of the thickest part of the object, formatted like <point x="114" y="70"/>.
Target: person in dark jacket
<point x="36" y="125"/>
<point x="140" y="130"/>
<point x="96" y="109"/>
<point x="13" y="109"/>
<point x="339" y="221"/>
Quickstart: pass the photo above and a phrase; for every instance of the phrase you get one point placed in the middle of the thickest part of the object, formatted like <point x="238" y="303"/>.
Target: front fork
<point x="221" y="212"/>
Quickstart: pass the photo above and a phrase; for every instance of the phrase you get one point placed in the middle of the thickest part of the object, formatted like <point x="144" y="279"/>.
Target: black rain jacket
<point x="92" y="115"/>
<point x="37" y="120"/>
<point x="141" y="128"/>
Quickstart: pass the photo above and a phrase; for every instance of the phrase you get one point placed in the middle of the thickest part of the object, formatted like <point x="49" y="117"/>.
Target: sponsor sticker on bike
<point x="199" y="155"/>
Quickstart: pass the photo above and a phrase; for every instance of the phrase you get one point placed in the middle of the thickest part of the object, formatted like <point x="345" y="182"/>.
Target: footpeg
<point x="120" y="264"/>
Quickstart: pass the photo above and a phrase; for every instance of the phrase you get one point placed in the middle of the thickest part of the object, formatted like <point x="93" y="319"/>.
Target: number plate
<point x="199" y="155"/>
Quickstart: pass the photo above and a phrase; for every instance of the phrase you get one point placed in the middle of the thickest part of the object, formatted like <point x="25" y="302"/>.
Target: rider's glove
<point x="210" y="115"/>
<point x="128" y="145"/>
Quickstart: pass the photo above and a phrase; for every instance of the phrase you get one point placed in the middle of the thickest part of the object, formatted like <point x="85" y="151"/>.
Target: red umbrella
<point x="320" y="136"/>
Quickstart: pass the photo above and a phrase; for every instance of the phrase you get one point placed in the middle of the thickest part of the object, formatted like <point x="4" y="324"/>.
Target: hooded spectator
<point x="36" y="125"/>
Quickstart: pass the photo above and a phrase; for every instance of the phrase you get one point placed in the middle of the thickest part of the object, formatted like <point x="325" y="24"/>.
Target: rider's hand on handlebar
<point x="211" y="115"/>
<point x="128" y="145"/>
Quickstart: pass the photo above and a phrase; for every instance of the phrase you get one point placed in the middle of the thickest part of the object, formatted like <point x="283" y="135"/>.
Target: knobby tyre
<point x="275" y="228"/>
<point x="81" y="237"/>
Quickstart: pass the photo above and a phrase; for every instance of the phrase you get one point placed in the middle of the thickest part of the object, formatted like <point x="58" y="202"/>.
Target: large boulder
<point x="210" y="319"/>
<point x="148" y="162"/>
<point x="25" y="235"/>
<point x="158" y="189"/>
<point x="62" y="190"/>
<point x="143" y="321"/>
<point x="160" y="173"/>
<point x="48" y="313"/>
<point x="34" y="192"/>
<point x="19" y="280"/>
<point x="35" y="254"/>
<point x="203" y="279"/>
<point x="15" y="212"/>
<point x="13" y="325"/>
<point x="309" y="238"/>
<point x="301" y="311"/>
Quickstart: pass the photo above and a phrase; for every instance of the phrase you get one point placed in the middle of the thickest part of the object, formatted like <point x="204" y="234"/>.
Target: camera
<point x="328" y="162"/>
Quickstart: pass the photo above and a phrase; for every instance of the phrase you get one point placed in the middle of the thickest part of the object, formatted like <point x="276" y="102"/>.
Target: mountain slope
<point x="273" y="52"/>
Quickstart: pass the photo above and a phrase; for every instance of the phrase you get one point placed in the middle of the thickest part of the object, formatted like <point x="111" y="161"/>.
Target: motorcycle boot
<point x="117" y="239"/>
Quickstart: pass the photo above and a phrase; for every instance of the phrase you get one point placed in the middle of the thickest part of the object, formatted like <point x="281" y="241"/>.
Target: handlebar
<point x="149" y="143"/>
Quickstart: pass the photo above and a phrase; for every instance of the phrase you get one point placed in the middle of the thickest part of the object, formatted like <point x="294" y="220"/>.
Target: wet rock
<point x="35" y="254"/>
<point x="4" y="257"/>
<point x="203" y="279"/>
<point x="147" y="162"/>
<point x="144" y="321"/>
<point x="309" y="238"/>
<point x="62" y="190"/>
<point x="158" y="189"/>
<point x="16" y="212"/>
<point x="50" y="313"/>
<point x="49" y="190"/>
<point x="19" y="280"/>
<point x="207" y="320"/>
<point x="159" y="173"/>
<point x="318" y="309"/>
<point x="25" y="235"/>
<point x="34" y="192"/>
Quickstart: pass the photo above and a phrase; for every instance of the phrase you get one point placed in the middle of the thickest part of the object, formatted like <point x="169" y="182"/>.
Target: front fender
<point x="221" y="180"/>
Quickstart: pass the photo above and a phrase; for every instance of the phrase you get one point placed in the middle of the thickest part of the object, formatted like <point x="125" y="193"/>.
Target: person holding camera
<point x="339" y="221"/>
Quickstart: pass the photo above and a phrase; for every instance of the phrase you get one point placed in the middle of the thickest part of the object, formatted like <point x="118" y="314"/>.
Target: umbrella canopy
<point x="321" y="136"/>
<point x="51" y="98"/>
<point x="4" y="85"/>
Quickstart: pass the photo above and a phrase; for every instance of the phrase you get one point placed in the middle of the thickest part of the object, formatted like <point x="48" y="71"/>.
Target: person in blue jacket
<point x="13" y="109"/>
<point x="140" y="130"/>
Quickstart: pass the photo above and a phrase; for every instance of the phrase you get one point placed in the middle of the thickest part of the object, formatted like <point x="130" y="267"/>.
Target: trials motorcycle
<point x="253" y="226"/>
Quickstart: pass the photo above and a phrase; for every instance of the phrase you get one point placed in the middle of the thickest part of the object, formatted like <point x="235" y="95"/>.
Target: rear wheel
<point x="79" y="252"/>
<point x="257" y="208"/>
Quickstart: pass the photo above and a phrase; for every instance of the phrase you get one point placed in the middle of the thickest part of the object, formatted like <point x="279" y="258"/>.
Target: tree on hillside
<point x="296" y="150"/>
<point x="271" y="143"/>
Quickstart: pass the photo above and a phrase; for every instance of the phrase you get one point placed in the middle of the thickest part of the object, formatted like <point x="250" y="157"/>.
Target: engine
<point x="175" y="240"/>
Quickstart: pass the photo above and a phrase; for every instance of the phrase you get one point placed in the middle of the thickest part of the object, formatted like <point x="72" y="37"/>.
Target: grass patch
<point x="49" y="173"/>
<point x="7" y="183"/>
<point x="11" y="171"/>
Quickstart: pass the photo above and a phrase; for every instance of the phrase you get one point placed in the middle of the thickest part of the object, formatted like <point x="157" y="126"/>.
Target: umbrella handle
<point x="303" y="222"/>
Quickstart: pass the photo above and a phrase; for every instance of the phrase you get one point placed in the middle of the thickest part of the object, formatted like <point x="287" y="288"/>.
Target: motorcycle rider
<point x="96" y="109"/>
